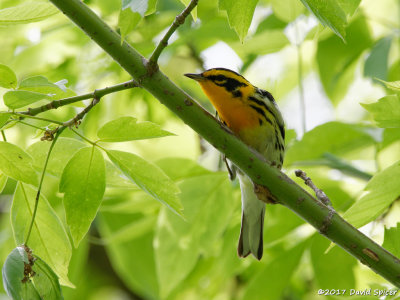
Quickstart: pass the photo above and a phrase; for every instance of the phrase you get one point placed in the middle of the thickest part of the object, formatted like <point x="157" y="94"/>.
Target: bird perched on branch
<point x="252" y="114"/>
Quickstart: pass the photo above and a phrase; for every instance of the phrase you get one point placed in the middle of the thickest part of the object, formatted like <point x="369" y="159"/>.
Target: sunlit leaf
<point x="40" y="84"/>
<point x="240" y="13"/>
<point x="27" y="12"/>
<point x="380" y="192"/>
<point x="62" y="152"/>
<point x="83" y="185"/>
<point x="148" y="177"/>
<point x="128" y="129"/>
<point x="349" y="6"/>
<point x="386" y="112"/>
<point x="393" y="85"/>
<point x="16" y="163"/>
<point x="18" y="99"/>
<point x="8" y="79"/>
<point x="4" y="118"/>
<point x="287" y="10"/>
<point x="330" y="14"/>
<point x="48" y="238"/>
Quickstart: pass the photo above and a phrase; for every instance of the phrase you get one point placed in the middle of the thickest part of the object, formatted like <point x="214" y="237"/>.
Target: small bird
<point x="252" y="114"/>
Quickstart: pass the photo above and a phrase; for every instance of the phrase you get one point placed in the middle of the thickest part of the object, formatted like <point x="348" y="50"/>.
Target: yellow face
<point x="228" y="92"/>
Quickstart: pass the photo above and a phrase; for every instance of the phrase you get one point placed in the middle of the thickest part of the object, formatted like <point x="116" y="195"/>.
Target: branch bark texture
<point x="185" y="107"/>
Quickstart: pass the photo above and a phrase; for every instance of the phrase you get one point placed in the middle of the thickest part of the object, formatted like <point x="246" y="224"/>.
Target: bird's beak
<point x="197" y="77"/>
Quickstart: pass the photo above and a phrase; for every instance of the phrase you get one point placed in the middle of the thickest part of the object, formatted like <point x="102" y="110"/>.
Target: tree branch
<point x="179" y="20"/>
<point x="95" y="94"/>
<point x="254" y="165"/>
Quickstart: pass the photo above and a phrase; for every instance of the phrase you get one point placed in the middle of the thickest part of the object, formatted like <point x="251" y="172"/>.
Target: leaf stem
<point x="40" y="186"/>
<point x="23" y="116"/>
<point x="179" y="20"/>
<point x="95" y="94"/>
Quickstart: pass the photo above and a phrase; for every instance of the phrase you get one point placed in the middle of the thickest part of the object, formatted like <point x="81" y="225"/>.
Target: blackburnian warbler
<point x="252" y="114"/>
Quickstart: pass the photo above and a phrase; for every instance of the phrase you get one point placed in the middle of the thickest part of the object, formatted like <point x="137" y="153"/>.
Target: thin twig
<point x="40" y="186"/>
<point x="23" y="116"/>
<point x="95" y="94"/>
<point x="179" y="20"/>
<point x="76" y="120"/>
<point x="321" y="196"/>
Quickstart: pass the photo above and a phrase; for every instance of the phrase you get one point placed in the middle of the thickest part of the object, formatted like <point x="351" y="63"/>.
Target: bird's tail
<point x="253" y="210"/>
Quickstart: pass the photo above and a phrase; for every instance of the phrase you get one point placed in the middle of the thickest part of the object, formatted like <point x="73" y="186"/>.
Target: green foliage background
<point x="100" y="227"/>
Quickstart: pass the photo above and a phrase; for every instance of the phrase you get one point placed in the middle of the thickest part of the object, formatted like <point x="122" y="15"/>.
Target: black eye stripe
<point x="230" y="84"/>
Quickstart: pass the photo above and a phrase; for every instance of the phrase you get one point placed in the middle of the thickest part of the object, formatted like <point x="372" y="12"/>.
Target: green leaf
<point x="27" y="13"/>
<point x="13" y="273"/>
<point x="46" y="281"/>
<point x="208" y="208"/>
<point x="3" y="181"/>
<point x="16" y="163"/>
<point x="380" y="192"/>
<point x="386" y="112"/>
<point x="83" y="185"/>
<point x="391" y="241"/>
<point x="148" y="177"/>
<point x="41" y="84"/>
<point x="18" y="99"/>
<point x="62" y="152"/>
<point x="339" y="274"/>
<point x="4" y="118"/>
<point x="267" y="283"/>
<point x="240" y="13"/>
<point x="127" y="129"/>
<point x="349" y="6"/>
<point x="337" y="61"/>
<point x="132" y="12"/>
<point x="393" y="85"/>
<point x="330" y="14"/>
<point x="288" y="10"/>
<point x="268" y="41"/>
<point x="48" y="238"/>
<point x="332" y="137"/>
<point x="376" y="65"/>
<point x="127" y="21"/>
<point x="8" y="79"/>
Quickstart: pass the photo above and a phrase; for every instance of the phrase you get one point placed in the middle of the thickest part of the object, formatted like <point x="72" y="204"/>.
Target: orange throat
<point x="236" y="113"/>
